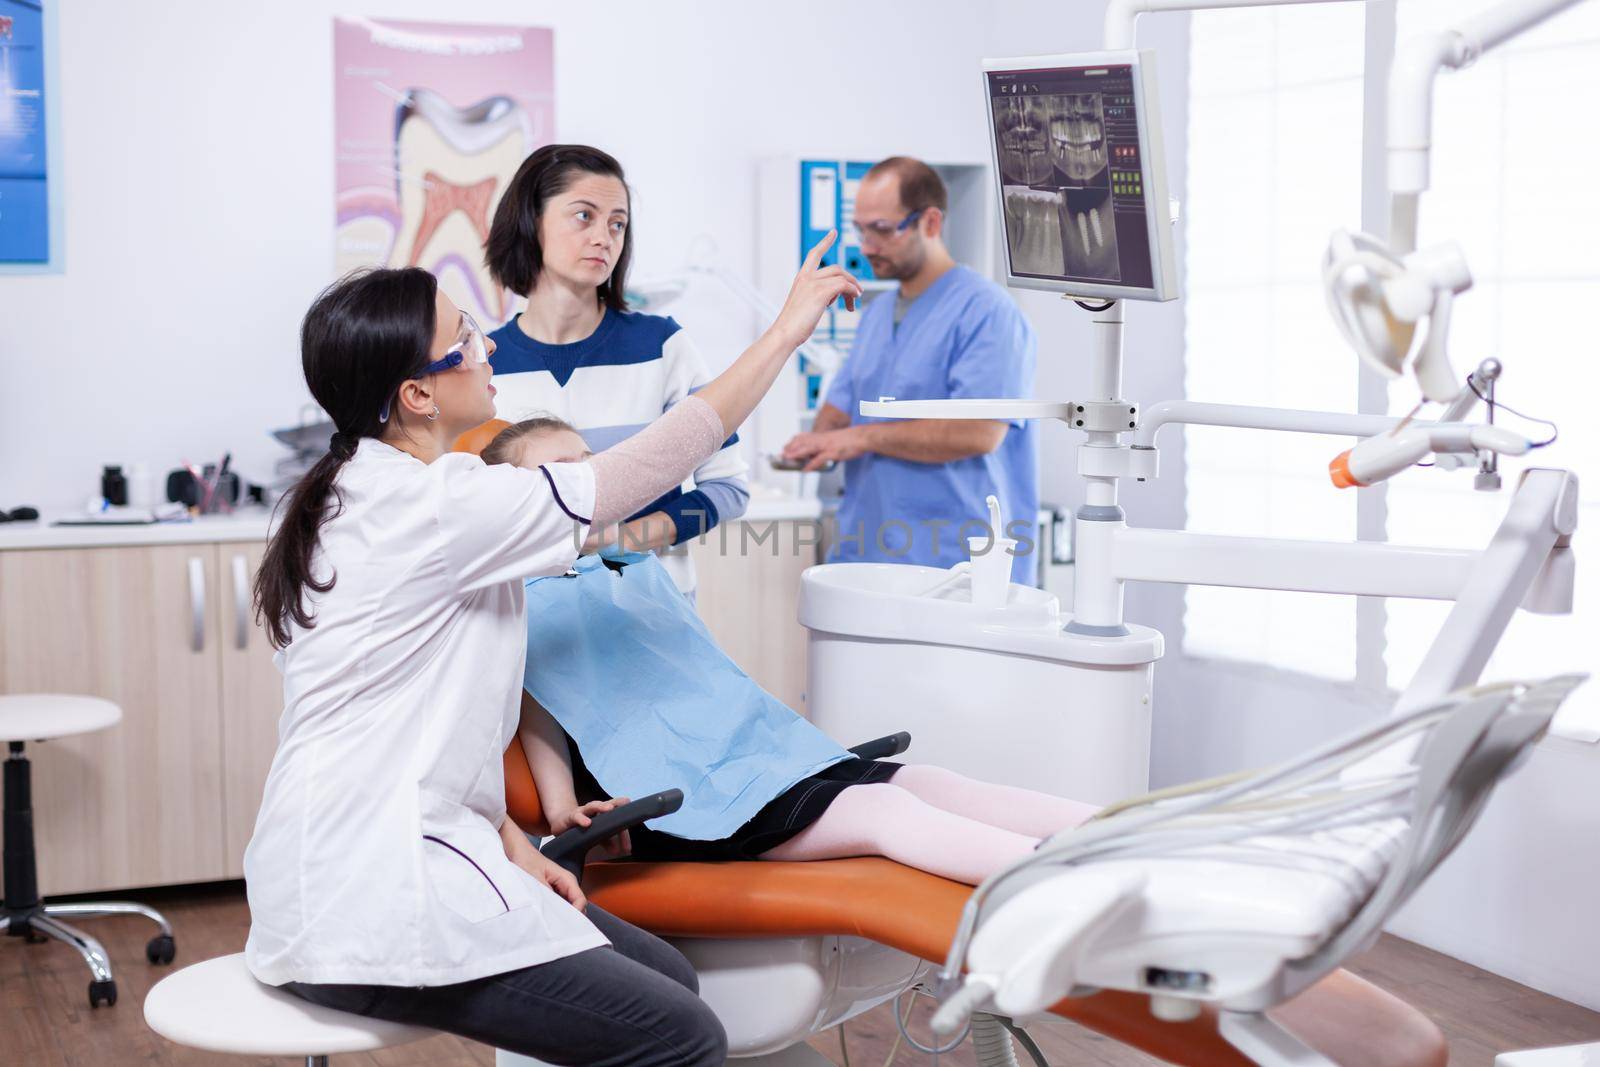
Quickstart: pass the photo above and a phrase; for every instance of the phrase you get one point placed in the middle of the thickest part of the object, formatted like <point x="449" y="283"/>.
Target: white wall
<point x="198" y="178"/>
<point x="198" y="174"/>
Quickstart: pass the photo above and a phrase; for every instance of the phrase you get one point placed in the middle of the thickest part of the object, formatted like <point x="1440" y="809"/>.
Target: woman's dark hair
<point x="362" y="338"/>
<point x="512" y="252"/>
<point x="504" y="445"/>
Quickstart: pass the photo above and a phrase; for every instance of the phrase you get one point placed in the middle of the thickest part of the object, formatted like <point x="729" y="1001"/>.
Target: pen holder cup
<point x="183" y="489"/>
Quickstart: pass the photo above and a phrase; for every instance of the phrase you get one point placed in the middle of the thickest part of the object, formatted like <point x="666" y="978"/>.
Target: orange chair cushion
<point x="1347" y="1019"/>
<point x="522" y="798"/>
<point x="477" y="439"/>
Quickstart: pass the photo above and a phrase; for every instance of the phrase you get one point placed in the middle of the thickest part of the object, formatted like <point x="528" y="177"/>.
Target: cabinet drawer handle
<point x="241" y="604"/>
<point x="197" y="604"/>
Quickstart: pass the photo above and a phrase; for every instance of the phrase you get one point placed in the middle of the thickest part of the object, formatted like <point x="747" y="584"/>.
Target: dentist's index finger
<point x="814" y="256"/>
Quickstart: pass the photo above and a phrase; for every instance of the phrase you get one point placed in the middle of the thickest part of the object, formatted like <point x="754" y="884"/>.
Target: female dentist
<point x="383" y="877"/>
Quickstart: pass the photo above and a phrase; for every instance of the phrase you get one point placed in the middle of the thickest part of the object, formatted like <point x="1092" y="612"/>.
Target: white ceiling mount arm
<point x="1123" y="15"/>
<point x="1419" y="60"/>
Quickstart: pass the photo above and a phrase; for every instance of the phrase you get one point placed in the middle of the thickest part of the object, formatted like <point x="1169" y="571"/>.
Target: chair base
<point x="24" y="915"/>
<point x="41" y="922"/>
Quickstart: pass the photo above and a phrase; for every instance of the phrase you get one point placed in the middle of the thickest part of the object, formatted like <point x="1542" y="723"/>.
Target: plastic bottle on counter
<point x="114" y="486"/>
<point x="141" y="487"/>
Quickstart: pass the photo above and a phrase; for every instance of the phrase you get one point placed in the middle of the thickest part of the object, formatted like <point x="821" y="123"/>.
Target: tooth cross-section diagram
<point x="440" y="197"/>
<point x="452" y="165"/>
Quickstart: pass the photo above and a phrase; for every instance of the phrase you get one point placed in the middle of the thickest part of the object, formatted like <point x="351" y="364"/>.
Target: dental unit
<point x="1204" y="924"/>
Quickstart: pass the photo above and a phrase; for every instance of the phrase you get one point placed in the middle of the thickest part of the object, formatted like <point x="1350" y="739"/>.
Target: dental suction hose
<point x="960" y="1005"/>
<point x="991" y="1042"/>
<point x="1382" y="457"/>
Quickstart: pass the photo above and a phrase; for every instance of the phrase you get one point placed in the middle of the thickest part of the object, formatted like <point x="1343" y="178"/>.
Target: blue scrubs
<point x="963" y="338"/>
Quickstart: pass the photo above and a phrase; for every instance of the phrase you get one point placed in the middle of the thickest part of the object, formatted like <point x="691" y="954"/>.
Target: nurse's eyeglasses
<point x="469" y="348"/>
<point x="881" y="230"/>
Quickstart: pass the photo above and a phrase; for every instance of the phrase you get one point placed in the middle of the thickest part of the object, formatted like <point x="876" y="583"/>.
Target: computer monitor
<point x="1081" y="175"/>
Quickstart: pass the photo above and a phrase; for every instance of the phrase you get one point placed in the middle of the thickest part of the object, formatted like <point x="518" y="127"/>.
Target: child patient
<point x="630" y="695"/>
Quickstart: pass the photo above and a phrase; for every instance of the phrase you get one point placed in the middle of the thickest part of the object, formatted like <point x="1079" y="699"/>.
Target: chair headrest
<point x="477" y="439"/>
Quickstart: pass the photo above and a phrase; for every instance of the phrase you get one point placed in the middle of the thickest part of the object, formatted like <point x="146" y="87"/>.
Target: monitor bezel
<point x="1152" y="165"/>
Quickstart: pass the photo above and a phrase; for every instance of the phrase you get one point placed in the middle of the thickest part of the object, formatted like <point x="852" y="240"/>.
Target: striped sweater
<point x="612" y="384"/>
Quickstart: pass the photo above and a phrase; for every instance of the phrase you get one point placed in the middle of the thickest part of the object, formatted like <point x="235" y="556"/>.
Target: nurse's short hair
<point x="920" y="185"/>
<point x="503" y="449"/>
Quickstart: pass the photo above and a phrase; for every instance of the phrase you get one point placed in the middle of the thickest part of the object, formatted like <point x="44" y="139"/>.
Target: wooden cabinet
<point x="167" y="631"/>
<point x="251" y="704"/>
<point x="748" y="593"/>
<point x="140" y="803"/>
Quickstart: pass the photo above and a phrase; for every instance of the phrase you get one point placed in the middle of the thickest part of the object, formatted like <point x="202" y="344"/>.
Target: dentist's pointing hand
<point x="814" y="290"/>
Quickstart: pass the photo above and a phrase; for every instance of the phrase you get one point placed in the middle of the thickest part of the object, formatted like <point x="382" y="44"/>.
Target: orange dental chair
<point x="786" y="950"/>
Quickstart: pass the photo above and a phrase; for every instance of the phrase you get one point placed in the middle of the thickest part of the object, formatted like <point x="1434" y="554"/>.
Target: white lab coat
<point x="376" y="856"/>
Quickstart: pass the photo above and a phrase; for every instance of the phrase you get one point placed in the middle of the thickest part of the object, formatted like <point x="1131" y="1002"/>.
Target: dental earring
<point x="435" y="414"/>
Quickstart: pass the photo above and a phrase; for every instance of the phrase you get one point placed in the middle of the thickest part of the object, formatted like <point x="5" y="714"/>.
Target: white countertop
<point x="243" y="525"/>
<point x="775" y="508"/>
<point x="251" y="525"/>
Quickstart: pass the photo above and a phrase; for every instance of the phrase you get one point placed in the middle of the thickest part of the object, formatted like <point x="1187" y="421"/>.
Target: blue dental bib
<point x="622" y="661"/>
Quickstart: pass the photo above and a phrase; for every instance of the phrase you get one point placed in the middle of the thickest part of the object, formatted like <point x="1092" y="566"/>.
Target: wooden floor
<point x="45" y="1018"/>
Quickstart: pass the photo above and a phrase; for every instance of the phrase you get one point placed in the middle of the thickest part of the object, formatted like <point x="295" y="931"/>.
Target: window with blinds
<point x="1275" y="127"/>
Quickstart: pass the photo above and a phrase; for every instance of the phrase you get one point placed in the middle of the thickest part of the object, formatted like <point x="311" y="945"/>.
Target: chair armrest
<point x="569" y="849"/>
<point x="883" y="747"/>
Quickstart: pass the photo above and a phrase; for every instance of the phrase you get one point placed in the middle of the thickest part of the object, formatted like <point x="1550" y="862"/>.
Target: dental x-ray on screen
<point x="1082" y="188"/>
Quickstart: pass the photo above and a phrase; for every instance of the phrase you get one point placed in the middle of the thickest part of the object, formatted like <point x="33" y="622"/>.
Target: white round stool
<point x="218" y="1006"/>
<point x="28" y="717"/>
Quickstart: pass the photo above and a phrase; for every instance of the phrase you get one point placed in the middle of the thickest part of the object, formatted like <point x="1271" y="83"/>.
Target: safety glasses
<point x="882" y="230"/>
<point x="469" y="348"/>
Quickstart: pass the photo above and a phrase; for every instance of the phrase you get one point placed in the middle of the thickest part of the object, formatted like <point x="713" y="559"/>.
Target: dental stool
<point x="41" y="717"/>
<point x="219" y="1006"/>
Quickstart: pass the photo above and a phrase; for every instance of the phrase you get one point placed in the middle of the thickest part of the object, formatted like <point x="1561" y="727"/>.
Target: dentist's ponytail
<point x="362" y="338"/>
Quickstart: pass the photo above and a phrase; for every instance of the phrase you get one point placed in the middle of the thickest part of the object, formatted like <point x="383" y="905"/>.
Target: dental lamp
<point x="1379" y="298"/>
<point x="1381" y="290"/>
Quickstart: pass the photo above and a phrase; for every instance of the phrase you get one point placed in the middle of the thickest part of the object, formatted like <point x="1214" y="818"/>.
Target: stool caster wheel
<point x="161" y="949"/>
<point x="102" y="992"/>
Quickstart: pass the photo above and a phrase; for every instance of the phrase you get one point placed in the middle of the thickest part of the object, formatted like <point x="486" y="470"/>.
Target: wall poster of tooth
<point x="431" y="120"/>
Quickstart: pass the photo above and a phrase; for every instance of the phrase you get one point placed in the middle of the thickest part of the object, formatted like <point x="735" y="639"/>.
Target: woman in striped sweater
<point x="560" y="238"/>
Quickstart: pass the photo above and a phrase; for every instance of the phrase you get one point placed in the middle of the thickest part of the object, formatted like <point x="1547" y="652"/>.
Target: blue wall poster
<point x="24" y="177"/>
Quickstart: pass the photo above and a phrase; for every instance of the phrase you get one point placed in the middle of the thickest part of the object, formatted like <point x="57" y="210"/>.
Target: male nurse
<point x="915" y="489"/>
